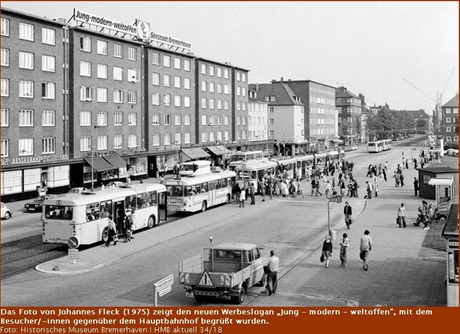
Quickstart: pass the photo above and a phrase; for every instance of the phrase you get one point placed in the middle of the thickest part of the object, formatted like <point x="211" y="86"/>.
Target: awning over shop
<point x="195" y="153"/>
<point x="116" y="161"/>
<point x="219" y="150"/>
<point x="440" y="182"/>
<point x="99" y="164"/>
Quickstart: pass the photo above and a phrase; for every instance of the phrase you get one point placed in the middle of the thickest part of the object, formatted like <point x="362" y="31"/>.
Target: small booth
<point x="443" y="194"/>
<point x="428" y="190"/>
<point x="450" y="233"/>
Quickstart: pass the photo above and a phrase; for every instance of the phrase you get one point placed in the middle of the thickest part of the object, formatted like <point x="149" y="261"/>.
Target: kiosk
<point x="450" y="233"/>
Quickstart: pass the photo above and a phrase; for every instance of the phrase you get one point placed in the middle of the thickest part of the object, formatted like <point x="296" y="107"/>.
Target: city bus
<point x="84" y="216"/>
<point x="386" y="144"/>
<point x="305" y="165"/>
<point x="253" y="171"/>
<point x="195" y="193"/>
<point x="379" y="146"/>
<point x="239" y="157"/>
<point x="287" y="166"/>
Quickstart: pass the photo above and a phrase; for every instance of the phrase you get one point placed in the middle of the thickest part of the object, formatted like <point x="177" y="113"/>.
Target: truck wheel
<point x="151" y="222"/>
<point x="203" y="206"/>
<point x="105" y="235"/>
<point x="241" y="295"/>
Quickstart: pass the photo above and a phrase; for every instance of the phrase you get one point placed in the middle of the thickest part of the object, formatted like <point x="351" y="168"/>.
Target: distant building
<point x="349" y="107"/>
<point x="258" y="122"/>
<point x="450" y="120"/>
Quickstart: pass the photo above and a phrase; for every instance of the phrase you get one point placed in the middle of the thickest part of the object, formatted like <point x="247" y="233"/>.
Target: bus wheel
<point x="105" y="234"/>
<point x="229" y="199"/>
<point x="151" y="222"/>
<point x="203" y="206"/>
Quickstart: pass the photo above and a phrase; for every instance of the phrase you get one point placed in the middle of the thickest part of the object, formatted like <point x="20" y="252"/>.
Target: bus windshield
<point x="175" y="191"/>
<point x="58" y="212"/>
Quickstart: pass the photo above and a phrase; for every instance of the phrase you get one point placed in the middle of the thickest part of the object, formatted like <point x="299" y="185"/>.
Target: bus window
<point x="152" y="197"/>
<point x="189" y="191"/>
<point x="196" y="189"/>
<point x="130" y="202"/>
<point x="204" y="187"/>
<point x="214" y="185"/>
<point x="223" y="183"/>
<point x="174" y="191"/>
<point x="254" y="175"/>
<point x="141" y="200"/>
<point x="92" y="211"/>
<point x="58" y="212"/>
<point x="106" y="209"/>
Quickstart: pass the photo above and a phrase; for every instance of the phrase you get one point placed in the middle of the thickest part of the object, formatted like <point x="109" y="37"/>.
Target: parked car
<point x="451" y="152"/>
<point x="78" y="190"/>
<point x="36" y="204"/>
<point x="354" y="147"/>
<point x="6" y="213"/>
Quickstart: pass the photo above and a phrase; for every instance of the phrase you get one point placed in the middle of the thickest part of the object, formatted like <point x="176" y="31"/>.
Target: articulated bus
<point x="84" y="216"/>
<point x="239" y="158"/>
<point x="288" y="166"/>
<point x="195" y="193"/>
<point x="253" y="171"/>
<point x="379" y="146"/>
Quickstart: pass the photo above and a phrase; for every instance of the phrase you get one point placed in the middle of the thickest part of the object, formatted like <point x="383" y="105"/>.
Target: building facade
<point x="450" y="121"/>
<point x="85" y="104"/>
<point x="349" y="108"/>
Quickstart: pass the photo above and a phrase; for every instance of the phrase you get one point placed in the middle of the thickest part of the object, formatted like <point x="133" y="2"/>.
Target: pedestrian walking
<point x="347" y="211"/>
<point x="128" y="226"/>
<point x="327" y="250"/>
<point x="369" y="190"/>
<point x="252" y="192"/>
<point x="272" y="275"/>
<point x="415" y="186"/>
<point x="111" y="232"/>
<point x="317" y="188"/>
<point x="242" y="197"/>
<point x="328" y="188"/>
<point x="344" y="244"/>
<point x="365" y="246"/>
<point x="402" y="216"/>
<point x="401" y="177"/>
<point x="384" y="172"/>
<point x="313" y="186"/>
<point x="262" y="188"/>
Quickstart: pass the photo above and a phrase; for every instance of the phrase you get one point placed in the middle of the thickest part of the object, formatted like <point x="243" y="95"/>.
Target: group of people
<point x="125" y="221"/>
<point x="365" y="246"/>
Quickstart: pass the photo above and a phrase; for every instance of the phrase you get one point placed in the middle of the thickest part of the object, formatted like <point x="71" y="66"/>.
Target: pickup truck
<point x="225" y="270"/>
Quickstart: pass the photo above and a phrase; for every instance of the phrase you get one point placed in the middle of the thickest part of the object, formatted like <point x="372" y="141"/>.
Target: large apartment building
<point x="449" y="121"/>
<point x="89" y="103"/>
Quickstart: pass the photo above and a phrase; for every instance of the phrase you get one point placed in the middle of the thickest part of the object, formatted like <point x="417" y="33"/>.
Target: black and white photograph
<point x="229" y="154"/>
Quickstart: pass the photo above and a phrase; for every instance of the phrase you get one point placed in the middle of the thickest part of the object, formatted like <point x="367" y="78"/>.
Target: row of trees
<point x="390" y="124"/>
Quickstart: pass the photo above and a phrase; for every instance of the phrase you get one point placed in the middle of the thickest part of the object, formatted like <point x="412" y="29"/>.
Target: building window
<point x="211" y="70"/>
<point x="186" y="83"/>
<point x="448" y="120"/>
<point x="226" y="73"/>
<point x="226" y="135"/>
<point x="448" y="138"/>
<point x="49" y="90"/>
<point x="101" y="118"/>
<point x="219" y="135"/>
<point x="211" y="136"/>
<point x="177" y="119"/>
<point x="219" y="104"/>
<point x="85" y="143"/>
<point x="156" y="139"/>
<point x="102" y="71"/>
<point x="156" y="79"/>
<point x="166" y="139"/>
<point x="49" y="145"/>
<point x="227" y="89"/>
<point x="166" y="80"/>
<point x="219" y="120"/>
<point x="187" y="101"/>
<point x="177" y="100"/>
<point x="26" y="147"/>
<point x="85" y="118"/>
<point x="102" y="47"/>
<point x="117" y="73"/>
<point x="204" y="137"/>
<point x="26" y="31"/>
<point x="219" y="72"/>
<point x="5" y="57"/>
<point x="132" y="141"/>
<point x="187" y="138"/>
<point x="5" y="27"/>
<point x="102" y="94"/>
<point x="118" y="118"/>
<point x="177" y="82"/>
<point x="155" y="119"/>
<point x="211" y="87"/>
<point x="85" y="43"/>
<point x="133" y="75"/>
<point x="118" y="96"/>
<point x="132" y="53"/>
<point x="203" y="68"/>
<point x="166" y="119"/>
<point x="226" y="120"/>
<point x="26" y="89"/>
<point x="177" y="63"/>
<point x="102" y="142"/>
<point x="219" y="88"/>
<point x="155" y="58"/>
<point x="203" y="103"/>
<point x="5" y="87"/>
<point x="132" y="97"/>
<point x="448" y="111"/>
<point x="187" y="119"/>
<point x="243" y="91"/>
<point x="85" y="68"/>
<point x="238" y="106"/>
<point x="211" y="120"/>
<point x="26" y="60"/>
<point x="118" y="51"/>
<point x="5" y="118"/>
<point x="86" y="93"/>
<point x="211" y="103"/>
<point x="238" y="120"/>
<point x="132" y="119"/>
<point x="167" y="100"/>
<point x="203" y="86"/>
<point x="271" y="109"/>
<point x="455" y="110"/>
<point x="118" y="141"/>
<point x="238" y="76"/>
<point x="166" y="61"/>
<point x="156" y="99"/>
<point x="177" y="138"/>
<point x="203" y="120"/>
<point x="455" y="138"/>
<point x="5" y="146"/>
<point x="187" y="65"/>
<point x="226" y="104"/>
<point x="48" y="63"/>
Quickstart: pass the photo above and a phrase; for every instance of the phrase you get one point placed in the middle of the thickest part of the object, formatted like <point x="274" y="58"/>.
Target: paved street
<point x="401" y="272"/>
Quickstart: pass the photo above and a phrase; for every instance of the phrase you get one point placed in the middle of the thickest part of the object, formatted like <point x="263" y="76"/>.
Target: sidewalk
<point x="401" y="272"/>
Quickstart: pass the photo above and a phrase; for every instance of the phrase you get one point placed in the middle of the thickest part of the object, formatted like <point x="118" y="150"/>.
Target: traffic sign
<point x="73" y="242"/>
<point x="164" y="283"/>
<point x="73" y="253"/>
<point x="161" y="293"/>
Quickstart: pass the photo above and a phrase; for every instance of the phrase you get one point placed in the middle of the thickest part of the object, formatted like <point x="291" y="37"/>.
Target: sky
<point x="371" y="48"/>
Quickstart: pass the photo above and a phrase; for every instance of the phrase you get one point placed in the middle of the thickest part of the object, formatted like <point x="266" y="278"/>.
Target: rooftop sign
<point x="101" y="21"/>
